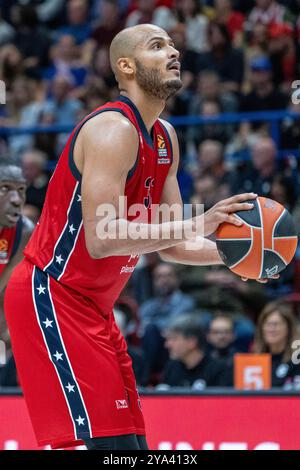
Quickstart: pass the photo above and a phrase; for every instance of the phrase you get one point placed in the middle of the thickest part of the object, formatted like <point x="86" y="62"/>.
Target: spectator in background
<point x="61" y="106"/>
<point x="221" y="338"/>
<point x="155" y="314"/>
<point x="263" y="95"/>
<point x="209" y="88"/>
<point x="225" y="60"/>
<point x="78" y="25"/>
<point x="7" y="32"/>
<point x="269" y="12"/>
<point x="233" y="20"/>
<point x="139" y="365"/>
<point x="111" y="23"/>
<point x="282" y="52"/>
<point x="23" y="110"/>
<point x="147" y="12"/>
<point x="31" y="39"/>
<point x="211" y="162"/>
<point x="67" y="60"/>
<point x="34" y="169"/>
<point x="276" y="331"/>
<point x="190" y="364"/>
<point x="11" y="65"/>
<point x="259" y="174"/>
<point x="190" y="13"/>
<point x="209" y="131"/>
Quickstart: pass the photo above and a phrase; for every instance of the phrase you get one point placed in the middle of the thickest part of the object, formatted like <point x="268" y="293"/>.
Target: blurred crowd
<point x="183" y="324"/>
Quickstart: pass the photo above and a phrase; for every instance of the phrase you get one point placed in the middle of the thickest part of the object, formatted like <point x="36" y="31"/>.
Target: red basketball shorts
<point x="72" y="362"/>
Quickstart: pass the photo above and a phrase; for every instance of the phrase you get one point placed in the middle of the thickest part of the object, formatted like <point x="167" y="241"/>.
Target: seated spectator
<point x="111" y="23"/>
<point x="269" y="12"/>
<point x="283" y="57"/>
<point x="34" y="169"/>
<point x="147" y="12"/>
<point x="208" y="131"/>
<point x="221" y="337"/>
<point x="276" y="331"/>
<point x="233" y="20"/>
<point x="140" y="367"/>
<point x="77" y="21"/>
<point x="61" y="106"/>
<point x="209" y="88"/>
<point x="211" y="161"/>
<point x="155" y="314"/>
<point x="226" y="61"/>
<point x="31" y="39"/>
<point x="7" y="32"/>
<point x="263" y="95"/>
<point x="191" y="14"/>
<point x="190" y="364"/>
<point x="261" y="171"/>
<point x="67" y="61"/>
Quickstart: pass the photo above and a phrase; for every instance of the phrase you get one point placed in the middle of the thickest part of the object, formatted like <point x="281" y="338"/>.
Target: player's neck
<point x="150" y="108"/>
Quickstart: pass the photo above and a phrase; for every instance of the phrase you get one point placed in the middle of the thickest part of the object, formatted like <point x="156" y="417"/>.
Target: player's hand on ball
<point x="223" y="212"/>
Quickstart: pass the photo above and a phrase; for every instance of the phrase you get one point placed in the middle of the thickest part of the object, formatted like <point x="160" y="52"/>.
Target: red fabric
<point x="7" y="238"/>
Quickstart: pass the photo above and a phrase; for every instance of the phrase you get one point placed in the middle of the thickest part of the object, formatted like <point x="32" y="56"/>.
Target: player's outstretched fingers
<point x="239" y="206"/>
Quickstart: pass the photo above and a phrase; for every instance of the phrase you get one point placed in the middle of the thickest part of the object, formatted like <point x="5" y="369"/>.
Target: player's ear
<point x="126" y="66"/>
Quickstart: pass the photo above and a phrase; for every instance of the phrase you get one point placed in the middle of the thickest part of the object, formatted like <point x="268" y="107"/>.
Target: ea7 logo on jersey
<point x="121" y="404"/>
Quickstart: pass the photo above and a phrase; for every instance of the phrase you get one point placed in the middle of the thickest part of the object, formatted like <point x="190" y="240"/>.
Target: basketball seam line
<point x="279" y="256"/>
<point x="262" y="238"/>
<point x="246" y="223"/>
<point x="275" y="225"/>
<point x="242" y="259"/>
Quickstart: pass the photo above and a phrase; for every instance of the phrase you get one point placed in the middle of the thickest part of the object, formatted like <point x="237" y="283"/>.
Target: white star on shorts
<point x="80" y="420"/>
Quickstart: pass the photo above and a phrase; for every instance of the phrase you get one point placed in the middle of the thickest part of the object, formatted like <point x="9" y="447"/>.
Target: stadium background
<point x="238" y="122"/>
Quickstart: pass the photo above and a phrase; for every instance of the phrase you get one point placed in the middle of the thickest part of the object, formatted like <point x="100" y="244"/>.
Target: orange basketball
<point x="264" y="245"/>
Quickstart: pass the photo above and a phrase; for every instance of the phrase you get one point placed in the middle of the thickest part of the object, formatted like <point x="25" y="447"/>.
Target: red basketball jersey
<point x="57" y="245"/>
<point x="10" y="238"/>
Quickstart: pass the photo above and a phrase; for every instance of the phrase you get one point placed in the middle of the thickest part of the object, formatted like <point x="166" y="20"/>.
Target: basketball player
<point x="15" y="229"/>
<point x="72" y="360"/>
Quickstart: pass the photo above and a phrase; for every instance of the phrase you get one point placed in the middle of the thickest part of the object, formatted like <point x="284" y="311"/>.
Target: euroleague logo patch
<point x="3" y="250"/>
<point x="162" y="150"/>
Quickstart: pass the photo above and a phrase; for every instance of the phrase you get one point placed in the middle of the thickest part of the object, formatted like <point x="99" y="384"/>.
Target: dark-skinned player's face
<point x="157" y="65"/>
<point x="12" y="196"/>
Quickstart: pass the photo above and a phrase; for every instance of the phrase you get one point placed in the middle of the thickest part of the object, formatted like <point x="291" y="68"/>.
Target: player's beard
<point x="151" y="81"/>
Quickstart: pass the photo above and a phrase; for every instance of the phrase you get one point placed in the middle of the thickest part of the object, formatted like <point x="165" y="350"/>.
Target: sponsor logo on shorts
<point x="121" y="404"/>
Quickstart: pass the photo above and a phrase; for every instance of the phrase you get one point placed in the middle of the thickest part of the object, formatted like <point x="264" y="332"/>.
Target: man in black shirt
<point x="190" y="365"/>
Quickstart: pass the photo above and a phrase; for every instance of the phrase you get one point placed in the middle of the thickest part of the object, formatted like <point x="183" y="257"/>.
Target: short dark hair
<point x="223" y="316"/>
<point x="6" y="163"/>
<point x="189" y="326"/>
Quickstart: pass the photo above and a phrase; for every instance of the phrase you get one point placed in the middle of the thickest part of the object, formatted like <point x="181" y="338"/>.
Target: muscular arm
<point x="204" y="251"/>
<point x="107" y="146"/>
<point x="26" y="232"/>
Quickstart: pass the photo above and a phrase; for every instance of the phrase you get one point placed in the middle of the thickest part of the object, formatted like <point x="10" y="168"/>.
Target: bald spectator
<point x="262" y="170"/>
<point x="155" y="314"/>
<point x="34" y="169"/>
